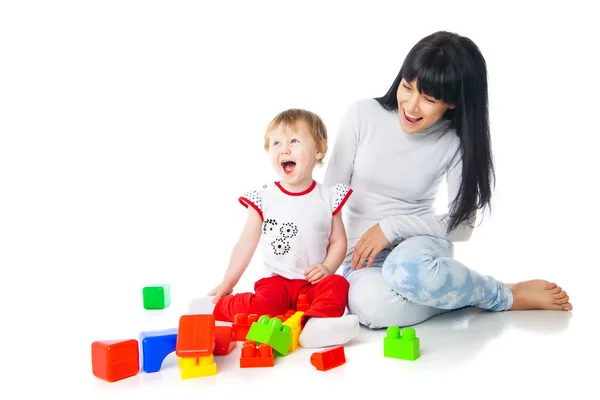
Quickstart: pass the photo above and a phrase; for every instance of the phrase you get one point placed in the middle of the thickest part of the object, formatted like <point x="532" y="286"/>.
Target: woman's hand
<point x="222" y="290"/>
<point x="369" y="245"/>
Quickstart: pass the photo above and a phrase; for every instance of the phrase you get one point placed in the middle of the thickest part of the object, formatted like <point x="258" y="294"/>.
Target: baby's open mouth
<point x="288" y="166"/>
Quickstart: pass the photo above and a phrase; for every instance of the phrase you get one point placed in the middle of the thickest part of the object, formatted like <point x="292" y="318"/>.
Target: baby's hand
<point x="222" y="290"/>
<point x="316" y="273"/>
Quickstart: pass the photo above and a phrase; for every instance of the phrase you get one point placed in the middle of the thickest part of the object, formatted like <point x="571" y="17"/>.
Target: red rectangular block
<point x="328" y="359"/>
<point x="224" y="340"/>
<point x="113" y="360"/>
<point x="195" y="336"/>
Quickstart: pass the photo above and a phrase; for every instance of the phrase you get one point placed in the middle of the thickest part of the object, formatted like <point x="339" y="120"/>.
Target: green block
<point x="271" y="331"/>
<point x="404" y="347"/>
<point x="157" y="297"/>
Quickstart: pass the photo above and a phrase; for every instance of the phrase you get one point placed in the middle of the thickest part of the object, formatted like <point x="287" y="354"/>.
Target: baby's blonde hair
<point x="291" y="117"/>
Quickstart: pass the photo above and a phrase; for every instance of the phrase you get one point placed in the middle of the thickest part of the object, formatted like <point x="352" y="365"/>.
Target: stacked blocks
<point x="253" y="356"/>
<point x="271" y="331"/>
<point x="195" y="345"/>
<point x="328" y="359"/>
<point x="113" y="360"/>
<point x="403" y="346"/>
<point x="156" y="346"/>
<point x="156" y="297"/>
<point x="196" y="367"/>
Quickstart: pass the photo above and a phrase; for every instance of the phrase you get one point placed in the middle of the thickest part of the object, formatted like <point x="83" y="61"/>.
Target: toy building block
<point x="328" y="359"/>
<point x="404" y="346"/>
<point x="302" y="303"/>
<point x="285" y="316"/>
<point x="157" y="297"/>
<point x="294" y="323"/>
<point x="271" y="331"/>
<point x="196" y="367"/>
<point x="241" y="325"/>
<point x="156" y="346"/>
<point x="195" y="335"/>
<point x="253" y="357"/>
<point x="224" y="340"/>
<point x="113" y="360"/>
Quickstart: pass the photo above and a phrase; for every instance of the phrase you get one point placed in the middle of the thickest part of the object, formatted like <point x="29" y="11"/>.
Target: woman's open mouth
<point x="410" y="119"/>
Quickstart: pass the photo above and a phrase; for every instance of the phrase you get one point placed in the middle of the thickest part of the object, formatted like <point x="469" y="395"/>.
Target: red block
<point x="224" y="340"/>
<point x="253" y="357"/>
<point x="195" y="336"/>
<point x="328" y="359"/>
<point x="302" y="304"/>
<point x="113" y="360"/>
<point x="241" y="325"/>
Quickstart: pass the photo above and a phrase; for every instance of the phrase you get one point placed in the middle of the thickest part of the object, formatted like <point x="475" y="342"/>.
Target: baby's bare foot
<point x="539" y="294"/>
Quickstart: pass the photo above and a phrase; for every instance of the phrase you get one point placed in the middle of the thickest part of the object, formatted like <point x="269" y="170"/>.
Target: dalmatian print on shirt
<point x="283" y="233"/>
<point x="341" y="191"/>
<point x="269" y="225"/>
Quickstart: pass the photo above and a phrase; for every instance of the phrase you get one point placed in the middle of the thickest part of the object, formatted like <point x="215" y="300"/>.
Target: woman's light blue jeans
<point x="416" y="280"/>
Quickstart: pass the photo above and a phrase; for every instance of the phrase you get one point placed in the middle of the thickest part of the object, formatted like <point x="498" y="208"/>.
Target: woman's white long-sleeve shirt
<point x="395" y="176"/>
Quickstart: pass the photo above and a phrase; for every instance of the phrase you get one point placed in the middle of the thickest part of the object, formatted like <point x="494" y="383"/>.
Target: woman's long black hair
<point x="450" y="67"/>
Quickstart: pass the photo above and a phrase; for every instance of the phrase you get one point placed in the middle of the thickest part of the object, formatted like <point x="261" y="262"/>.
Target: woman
<point x="394" y="151"/>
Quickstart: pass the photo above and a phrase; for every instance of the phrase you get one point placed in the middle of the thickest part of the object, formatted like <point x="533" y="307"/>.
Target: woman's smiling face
<point x="417" y="111"/>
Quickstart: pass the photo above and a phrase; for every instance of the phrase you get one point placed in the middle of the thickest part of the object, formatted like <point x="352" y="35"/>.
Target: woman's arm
<point x="405" y="226"/>
<point x="399" y="227"/>
<point x="341" y="162"/>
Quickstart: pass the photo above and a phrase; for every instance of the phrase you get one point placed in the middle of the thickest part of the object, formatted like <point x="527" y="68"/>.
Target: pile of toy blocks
<point x="197" y="340"/>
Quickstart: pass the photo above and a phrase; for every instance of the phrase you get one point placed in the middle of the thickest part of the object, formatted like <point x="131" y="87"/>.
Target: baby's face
<point x="293" y="154"/>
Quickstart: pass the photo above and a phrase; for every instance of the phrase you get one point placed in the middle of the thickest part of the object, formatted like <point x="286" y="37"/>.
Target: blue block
<point x="156" y="346"/>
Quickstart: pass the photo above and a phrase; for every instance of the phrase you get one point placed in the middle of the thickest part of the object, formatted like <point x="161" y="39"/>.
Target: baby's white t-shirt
<point x="296" y="226"/>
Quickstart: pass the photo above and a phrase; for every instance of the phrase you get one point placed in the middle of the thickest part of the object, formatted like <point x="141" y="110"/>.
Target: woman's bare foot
<point x="539" y="294"/>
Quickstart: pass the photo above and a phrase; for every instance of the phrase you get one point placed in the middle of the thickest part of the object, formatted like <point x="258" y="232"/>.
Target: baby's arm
<point x="338" y="244"/>
<point x="241" y="255"/>
<point x="336" y="252"/>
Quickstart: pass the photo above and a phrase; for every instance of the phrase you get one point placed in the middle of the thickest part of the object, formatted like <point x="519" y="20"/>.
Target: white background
<point x="129" y="128"/>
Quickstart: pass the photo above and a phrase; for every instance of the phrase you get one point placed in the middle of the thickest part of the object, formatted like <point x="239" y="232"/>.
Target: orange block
<point x="328" y="359"/>
<point x="113" y="360"/>
<point x="253" y="357"/>
<point x="195" y="336"/>
<point x="302" y="304"/>
<point x="224" y="340"/>
<point x="241" y="325"/>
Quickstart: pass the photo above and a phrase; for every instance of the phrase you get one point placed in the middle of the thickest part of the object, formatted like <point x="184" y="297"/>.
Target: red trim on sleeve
<point x="342" y="203"/>
<point x="245" y="202"/>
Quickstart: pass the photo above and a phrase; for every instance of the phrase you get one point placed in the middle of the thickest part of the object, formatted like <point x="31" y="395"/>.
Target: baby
<point x="298" y="224"/>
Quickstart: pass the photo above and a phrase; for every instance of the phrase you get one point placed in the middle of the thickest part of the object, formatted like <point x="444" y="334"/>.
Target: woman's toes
<point x="562" y="300"/>
<point x="556" y="290"/>
<point x="567" y="307"/>
<point x="560" y="295"/>
<point x="550" y="285"/>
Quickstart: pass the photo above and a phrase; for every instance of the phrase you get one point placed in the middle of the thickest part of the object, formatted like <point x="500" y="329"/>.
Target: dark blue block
<point x="156" y="346"/>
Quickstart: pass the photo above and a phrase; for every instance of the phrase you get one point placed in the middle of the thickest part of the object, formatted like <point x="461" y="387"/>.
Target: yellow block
<point x="196" y="367"/>
<point x="294" y="323"/>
